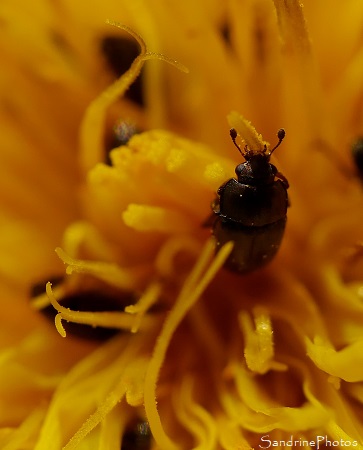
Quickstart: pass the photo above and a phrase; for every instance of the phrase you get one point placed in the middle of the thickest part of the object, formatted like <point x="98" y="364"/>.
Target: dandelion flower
<point x="134" y="334"/>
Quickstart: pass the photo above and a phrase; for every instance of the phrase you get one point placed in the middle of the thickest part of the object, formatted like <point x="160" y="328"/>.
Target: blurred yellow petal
<point x="151" y="218"/>
<point x="345" y="363"/>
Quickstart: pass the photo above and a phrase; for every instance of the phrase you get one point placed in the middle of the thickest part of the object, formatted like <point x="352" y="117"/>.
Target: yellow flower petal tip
<point x="152" y="218"/>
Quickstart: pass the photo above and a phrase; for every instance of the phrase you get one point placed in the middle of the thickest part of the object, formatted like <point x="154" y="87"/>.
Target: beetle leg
<point x="209" y="221"/>
<point x="221" y="188"/>
<point x="283" y="179"/>
<point x="216" y="206"/>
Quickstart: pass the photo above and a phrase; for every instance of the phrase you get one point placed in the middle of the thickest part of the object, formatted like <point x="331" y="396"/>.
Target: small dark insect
<point x="251" y="211"/>
<point x="137" y="437"/>
<point x="122" y="132"/>
<point x="357" y="154"/>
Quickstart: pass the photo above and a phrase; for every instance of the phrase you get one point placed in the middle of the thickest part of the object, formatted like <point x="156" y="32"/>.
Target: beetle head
<point x="247" y="153"/>
<point x="257" y="168"/>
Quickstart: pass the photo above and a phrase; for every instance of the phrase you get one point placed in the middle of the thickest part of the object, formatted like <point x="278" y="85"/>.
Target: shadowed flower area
<point x="134" y="335"/>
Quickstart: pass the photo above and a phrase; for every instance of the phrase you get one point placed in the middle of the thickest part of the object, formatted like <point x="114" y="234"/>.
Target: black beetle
<point x="251" y="211"/>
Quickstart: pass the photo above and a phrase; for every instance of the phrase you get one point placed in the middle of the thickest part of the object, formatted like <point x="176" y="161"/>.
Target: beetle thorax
<point x="256" y="170"/>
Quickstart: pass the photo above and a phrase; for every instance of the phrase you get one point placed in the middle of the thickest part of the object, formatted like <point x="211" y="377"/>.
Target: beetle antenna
<point x="280" y="135"/>
<point x="233" y="134"/>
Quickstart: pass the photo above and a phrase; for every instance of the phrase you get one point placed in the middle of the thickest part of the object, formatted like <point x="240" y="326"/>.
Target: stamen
<point x="191" y="292"/>
<point x="39" y="298"/>
<point x="131" y="378"/>
<point x="110" y="273"/>
<point x="144" y="303"/>
<point x="93" y="123"/>
<point x="259" y="345"/>
<point x="119" y="53"/>
<point x="248" y="133"/>
<point x="194" y="417"/>
<point x="119" y="320"/>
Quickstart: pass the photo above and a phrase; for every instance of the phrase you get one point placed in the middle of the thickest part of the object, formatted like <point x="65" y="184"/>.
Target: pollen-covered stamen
<point x="248" y="133"/>
<point x="259" y="343"/>
<point x="262" y="146"/>
<point x="246" y="153"/>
